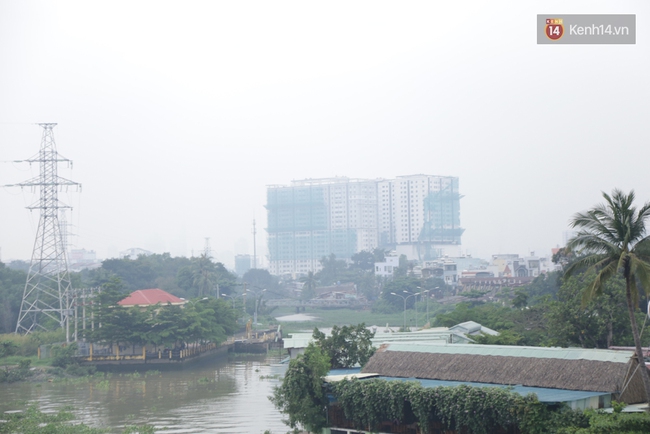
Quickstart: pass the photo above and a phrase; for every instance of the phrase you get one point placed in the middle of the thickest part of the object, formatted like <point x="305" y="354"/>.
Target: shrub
<point x="62" y="356"/>
<point x="16" y="374"/>
<point x="7" y="348"/>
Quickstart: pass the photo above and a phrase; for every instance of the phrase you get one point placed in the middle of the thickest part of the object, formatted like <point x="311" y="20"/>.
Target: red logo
<point x="554" y="29"/>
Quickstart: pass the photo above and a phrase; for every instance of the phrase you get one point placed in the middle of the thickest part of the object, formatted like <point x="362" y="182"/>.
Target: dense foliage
<point x="16" y="374"/>
<point x="476" y="410"/>
<point x="301" y="396"/>
<point x="12" y="283"/>
<point x="347" y="346"/>
<point x="12" y="344"/>
<point x="367" y="403"/>
<point x="34" y="421"/>
<point x="183" y="277"/>
<point x="550" y="312"/>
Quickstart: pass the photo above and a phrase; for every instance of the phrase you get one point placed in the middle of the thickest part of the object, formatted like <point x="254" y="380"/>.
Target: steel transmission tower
<point x="45" y="304"/>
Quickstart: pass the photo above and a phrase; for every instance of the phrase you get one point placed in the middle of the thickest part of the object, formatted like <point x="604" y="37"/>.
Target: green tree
<point x="398" y="285"/>
<point x="546" y="284"/>
<point x="521" y="299"/>
<point x="363" y="260"/>
<point x="333" y="270"/>
<point x="259" y="278"/>
<point x="12" y="283"/>
<point x="613" y="240"/>
<point x="107" y="315"/>
<point x="599" y="323"/>
<point x="301" y="396"/>
<point x="379" y="254"/>
<point x="204" y="274"/>
<point x="403" y="266"/>
<point x="309" y="286"/>
<point x="347" y="346"/>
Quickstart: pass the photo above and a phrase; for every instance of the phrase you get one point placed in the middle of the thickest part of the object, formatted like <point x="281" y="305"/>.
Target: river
<point x="228" y="394"/>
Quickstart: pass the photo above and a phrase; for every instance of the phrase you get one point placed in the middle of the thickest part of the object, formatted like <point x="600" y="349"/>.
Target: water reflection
<point x="218" y="396"/>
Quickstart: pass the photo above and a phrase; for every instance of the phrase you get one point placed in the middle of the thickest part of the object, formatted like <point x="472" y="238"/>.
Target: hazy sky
<point x="177" y="115"/>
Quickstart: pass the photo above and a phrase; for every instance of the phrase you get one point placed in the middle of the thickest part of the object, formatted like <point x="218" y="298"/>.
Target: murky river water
<point x="211" y="396"/>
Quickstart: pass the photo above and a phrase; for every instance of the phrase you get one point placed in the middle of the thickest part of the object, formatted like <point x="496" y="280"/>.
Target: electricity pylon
<point x="45" y="304"/>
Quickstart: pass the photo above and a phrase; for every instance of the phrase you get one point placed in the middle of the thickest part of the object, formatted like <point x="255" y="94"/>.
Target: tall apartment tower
<point x="419" y="216"/>
<point x="415" y="215"/>
<point x="313" y="218"/>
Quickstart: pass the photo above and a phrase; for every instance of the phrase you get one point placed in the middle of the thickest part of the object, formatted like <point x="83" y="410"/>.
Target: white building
<point x="419" y="216"/>
<point x="388" y="267"/>
<point x="512" y="265"/>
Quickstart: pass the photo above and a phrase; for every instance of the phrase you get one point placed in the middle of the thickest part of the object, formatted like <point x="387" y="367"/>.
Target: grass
<point x="329" y="317"/>
<point x="270" y="377"/>
<point x="14" y="360"/>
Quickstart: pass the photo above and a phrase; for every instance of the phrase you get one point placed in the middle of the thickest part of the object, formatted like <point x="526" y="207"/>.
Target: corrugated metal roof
<point x="298" y="340"/>
<point x="513" y="351"/>
<point x="543" y="394"/>
<point x="335" y="378"/>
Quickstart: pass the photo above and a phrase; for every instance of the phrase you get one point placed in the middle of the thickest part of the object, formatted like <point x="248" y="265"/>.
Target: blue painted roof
<point x="543" y="394"/>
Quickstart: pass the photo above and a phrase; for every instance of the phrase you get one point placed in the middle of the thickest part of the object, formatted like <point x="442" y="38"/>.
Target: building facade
<point x="242" y="264"/>
<point x="417" y="215"/>
<point x="313" y="218"/>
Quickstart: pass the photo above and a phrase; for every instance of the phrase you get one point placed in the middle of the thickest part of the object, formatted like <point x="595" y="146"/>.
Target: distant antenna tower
<point x="254" y="246"/>
<point x="207" y="250"/>
<point x="45" y="299"/>
<point x="65" y="232"/>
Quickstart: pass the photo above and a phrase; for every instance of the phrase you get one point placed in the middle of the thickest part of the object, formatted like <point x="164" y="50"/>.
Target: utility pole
<point x="46" y="296"/>
<point x="254" y="246"/>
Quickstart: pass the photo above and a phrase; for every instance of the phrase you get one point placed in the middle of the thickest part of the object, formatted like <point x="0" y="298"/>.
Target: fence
<point x="106" y="354"/>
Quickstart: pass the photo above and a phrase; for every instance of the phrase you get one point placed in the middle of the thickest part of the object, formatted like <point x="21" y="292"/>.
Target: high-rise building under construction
<point x="416" y="215"/>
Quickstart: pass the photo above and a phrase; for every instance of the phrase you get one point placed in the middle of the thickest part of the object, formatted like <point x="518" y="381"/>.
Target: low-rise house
<point x="602" y="375"/>
<point x="388" y="267"/>
<point x="151" y="297"/>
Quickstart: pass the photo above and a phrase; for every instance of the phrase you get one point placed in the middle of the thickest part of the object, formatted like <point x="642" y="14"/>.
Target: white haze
<point x="177" y="115"/>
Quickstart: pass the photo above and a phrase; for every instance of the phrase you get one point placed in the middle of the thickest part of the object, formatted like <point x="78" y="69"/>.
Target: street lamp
<point x="233" y="297"/>
<point x="405" y="298"/>
<point x="193" y="302"/>
<point x="256" y="302"/>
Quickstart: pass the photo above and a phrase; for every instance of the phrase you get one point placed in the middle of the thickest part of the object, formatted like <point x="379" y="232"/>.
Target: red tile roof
<point x="146" y="297"/>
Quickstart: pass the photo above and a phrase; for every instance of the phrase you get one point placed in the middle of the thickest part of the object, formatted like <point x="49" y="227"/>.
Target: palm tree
<point x="612" y="239"/>
<point x="203" y="274"/>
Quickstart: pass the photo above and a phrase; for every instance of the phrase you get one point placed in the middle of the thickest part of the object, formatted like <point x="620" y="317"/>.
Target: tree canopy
<point x="301" y="396"/>
<point x="347" y="346"/>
